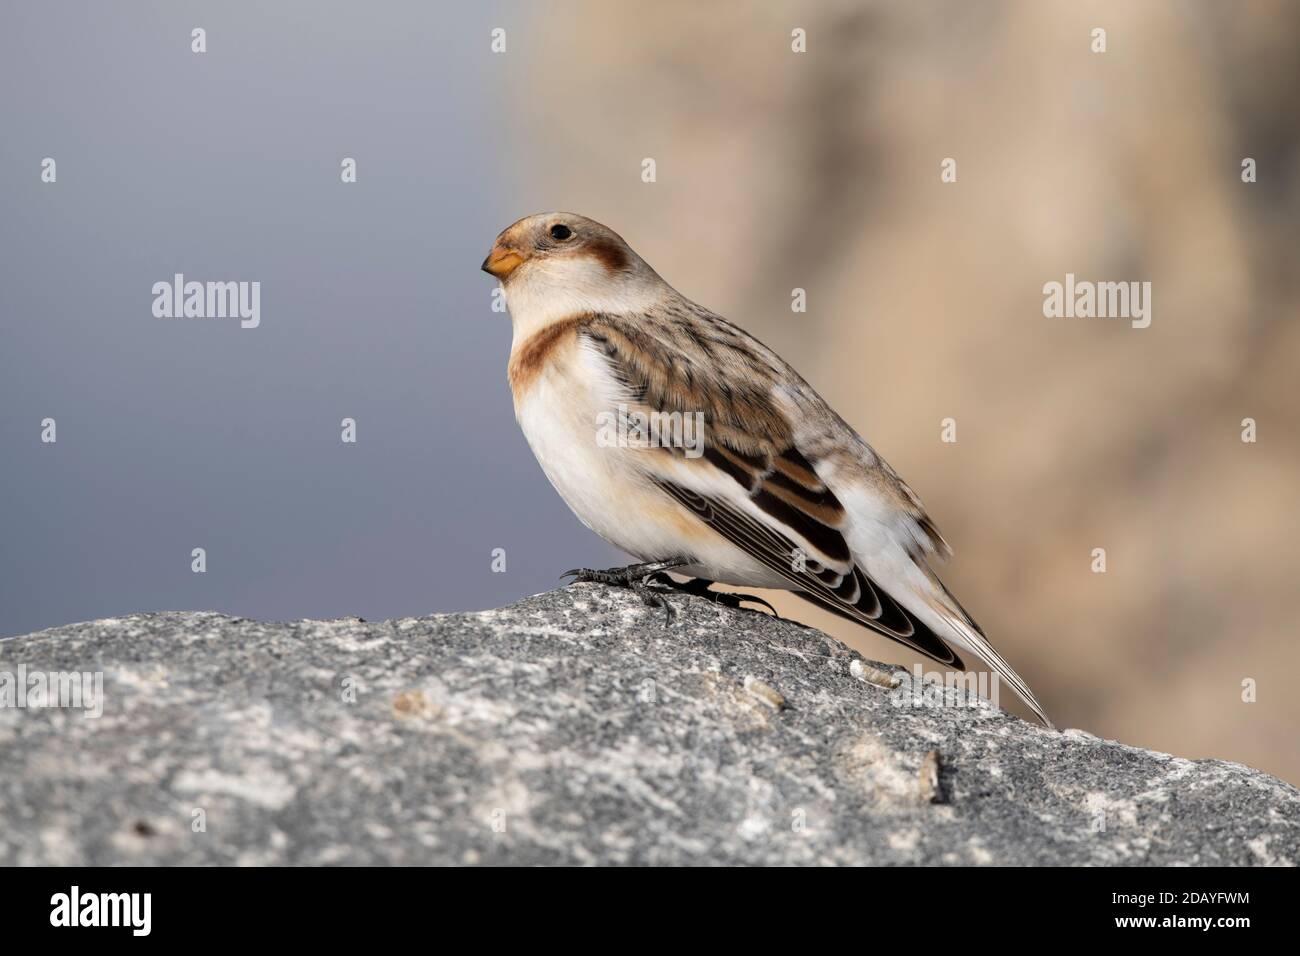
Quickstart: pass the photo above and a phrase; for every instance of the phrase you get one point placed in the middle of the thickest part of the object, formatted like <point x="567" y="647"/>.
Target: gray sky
<point x="174" y="434"/>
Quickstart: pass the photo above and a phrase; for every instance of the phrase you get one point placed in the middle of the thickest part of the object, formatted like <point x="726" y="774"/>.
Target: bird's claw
<point x="619" y="577"/>
<point x="644" y="580"/>
<point x="699" y="587"/>
<point x="650" y="582"/>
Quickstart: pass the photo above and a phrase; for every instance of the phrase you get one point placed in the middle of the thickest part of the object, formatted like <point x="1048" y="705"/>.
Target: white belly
<point x="608" y="487"/>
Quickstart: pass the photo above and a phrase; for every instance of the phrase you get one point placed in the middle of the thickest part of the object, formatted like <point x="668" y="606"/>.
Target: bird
<point x="777" y="491"/>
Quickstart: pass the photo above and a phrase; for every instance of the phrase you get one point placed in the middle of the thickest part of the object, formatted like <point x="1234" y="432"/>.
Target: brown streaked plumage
<point x="666" y="369"/>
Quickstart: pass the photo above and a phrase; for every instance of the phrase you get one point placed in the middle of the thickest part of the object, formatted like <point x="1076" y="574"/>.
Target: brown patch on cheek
<point x="528" y="361"/>
<point x="609" y="254"/>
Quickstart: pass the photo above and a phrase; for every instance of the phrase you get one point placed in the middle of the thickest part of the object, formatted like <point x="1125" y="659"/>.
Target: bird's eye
<point x="560" y="231"/>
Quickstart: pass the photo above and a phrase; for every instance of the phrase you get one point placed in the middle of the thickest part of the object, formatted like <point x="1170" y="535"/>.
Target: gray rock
<point x="571" y="728"/>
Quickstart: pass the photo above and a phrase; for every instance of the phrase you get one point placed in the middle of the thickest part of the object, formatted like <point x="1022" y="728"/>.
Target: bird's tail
<point x="960" y="628"/>
<point x="967" y="634"/>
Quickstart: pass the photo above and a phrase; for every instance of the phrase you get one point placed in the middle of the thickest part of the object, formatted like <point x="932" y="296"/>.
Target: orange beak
<point x="502" y="261"/>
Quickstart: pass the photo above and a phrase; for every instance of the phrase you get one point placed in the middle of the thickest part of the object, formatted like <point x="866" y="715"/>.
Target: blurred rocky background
<point x="821" y="170"/>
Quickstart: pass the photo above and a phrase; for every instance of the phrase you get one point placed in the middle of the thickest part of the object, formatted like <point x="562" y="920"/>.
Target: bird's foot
<point x="699" y="587"/>
<point x="641" y="579"/>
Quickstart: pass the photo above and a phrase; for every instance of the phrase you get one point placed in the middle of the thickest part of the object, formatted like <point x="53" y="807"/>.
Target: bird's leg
<point x="700" y="588"/>
<point x="634" y="577"/>
<point x="624" y="577"/>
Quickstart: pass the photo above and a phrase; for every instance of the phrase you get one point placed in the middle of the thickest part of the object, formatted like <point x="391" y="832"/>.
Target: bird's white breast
<point x="609" y="487"/>
<point x="559" y="411"/>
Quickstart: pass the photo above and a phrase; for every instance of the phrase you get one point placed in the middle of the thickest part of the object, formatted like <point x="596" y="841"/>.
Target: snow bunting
<point x="774" y="490"/>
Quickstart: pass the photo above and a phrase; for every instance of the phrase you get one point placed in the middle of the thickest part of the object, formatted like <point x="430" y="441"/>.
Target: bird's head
<point x="561" y="257"/>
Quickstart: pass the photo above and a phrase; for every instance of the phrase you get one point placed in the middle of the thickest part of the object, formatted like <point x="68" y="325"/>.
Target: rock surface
<point x="572" y="728"/>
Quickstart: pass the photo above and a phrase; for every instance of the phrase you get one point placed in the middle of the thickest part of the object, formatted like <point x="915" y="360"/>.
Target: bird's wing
<point x="780" y="541"/>
<point x="772" y="504"/>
